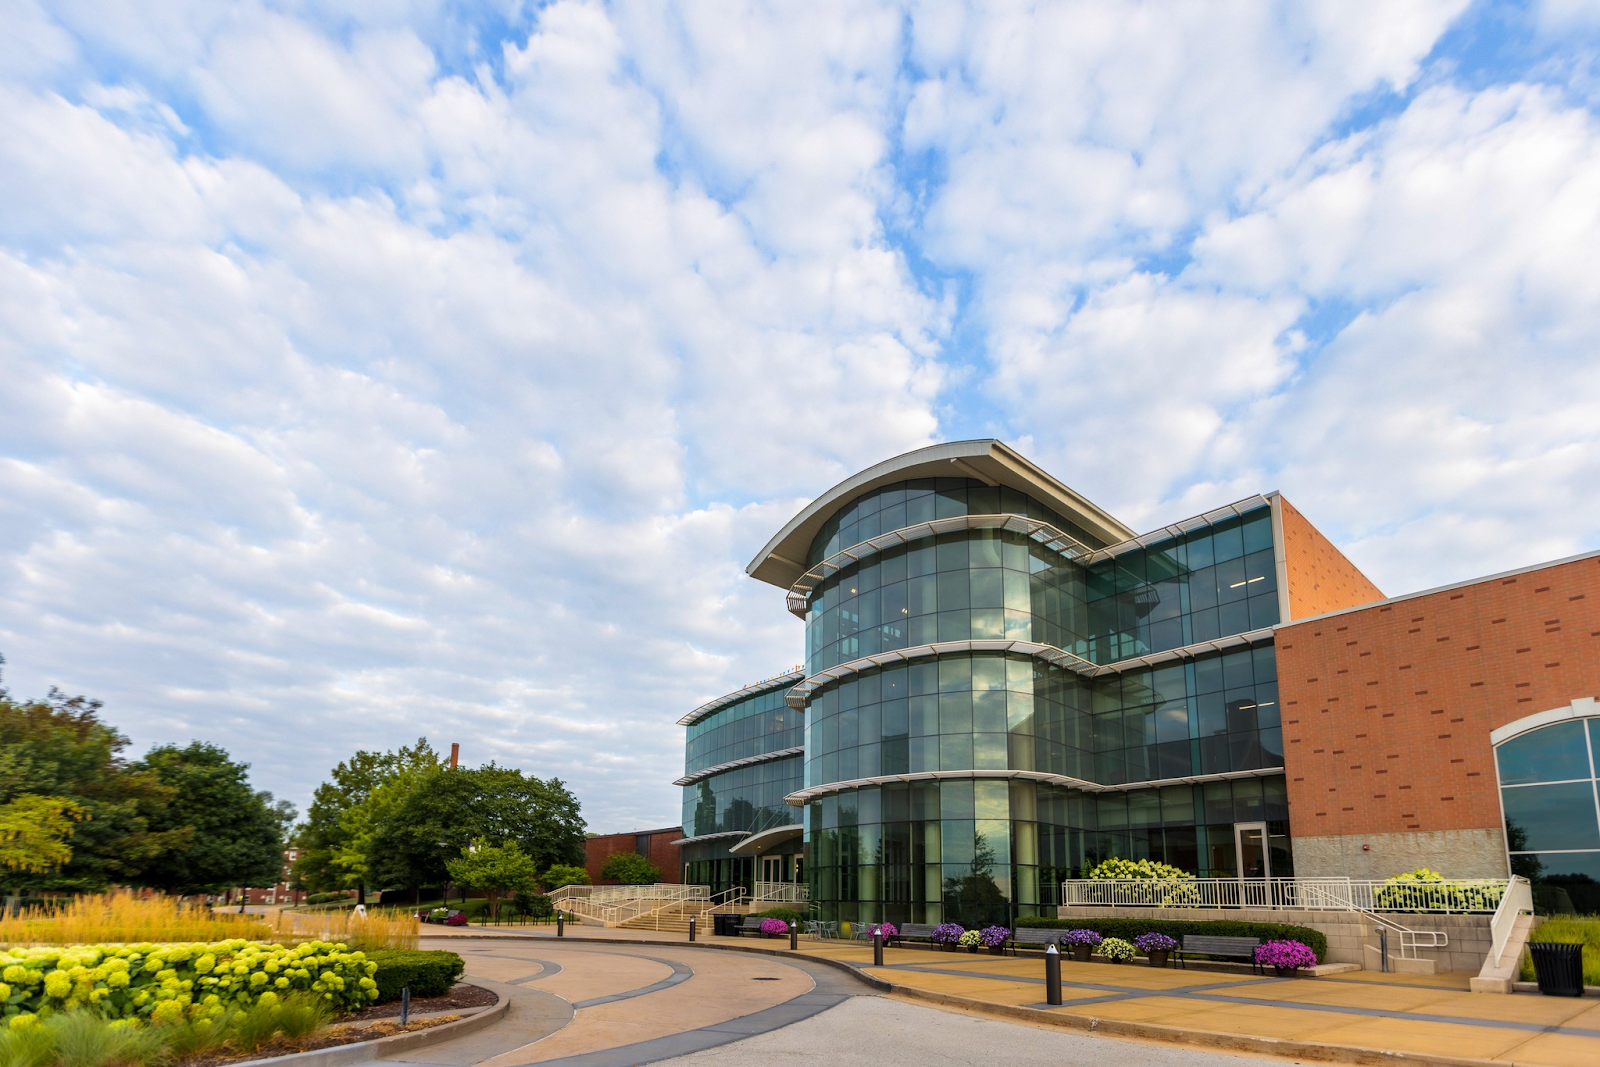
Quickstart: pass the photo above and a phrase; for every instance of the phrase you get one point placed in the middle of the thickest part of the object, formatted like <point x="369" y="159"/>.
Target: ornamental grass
<point x="1571" y="930"/>
<point x="122" y="917"/>
<point x="382" y="929"/>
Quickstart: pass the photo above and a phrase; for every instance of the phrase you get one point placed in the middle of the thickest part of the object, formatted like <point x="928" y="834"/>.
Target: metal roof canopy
<point x="992" y="462"/>
<point x="748" y="761"/>
<point x="799" y="798"/>
<point x="759" y="842"/>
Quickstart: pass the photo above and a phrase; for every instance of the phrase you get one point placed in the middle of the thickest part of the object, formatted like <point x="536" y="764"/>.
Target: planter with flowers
<point x="1082" y="943"/>
<point x="1116" y="950"/>
<point x="889" y="931"/>
<point x="1285" y="957"/>
<point x="1156" y="947"/>
<point x="947" y="934"/>
<point x="971" y="940"/>
<point x="774" y="927"/>
<point x="994" y="939"/>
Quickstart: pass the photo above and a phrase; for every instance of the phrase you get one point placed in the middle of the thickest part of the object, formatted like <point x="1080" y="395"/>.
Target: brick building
<point x="1393" y="712"/>
<point x="660" y="847"/>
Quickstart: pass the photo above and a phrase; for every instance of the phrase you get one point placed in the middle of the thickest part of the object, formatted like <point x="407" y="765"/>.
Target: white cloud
<point x="366" y="378"/>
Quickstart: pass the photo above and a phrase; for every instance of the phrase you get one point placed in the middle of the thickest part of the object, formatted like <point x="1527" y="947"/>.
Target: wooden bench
<point x="752" y="925"/>
<point x="921" y="931"/>
<point x="1207" y="945"/>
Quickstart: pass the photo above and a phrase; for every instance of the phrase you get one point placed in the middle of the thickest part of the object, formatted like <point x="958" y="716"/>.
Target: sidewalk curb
<point x="1206" y="1039"/>
<point x="839" y="965"/>
<point x="366" y="1051"/>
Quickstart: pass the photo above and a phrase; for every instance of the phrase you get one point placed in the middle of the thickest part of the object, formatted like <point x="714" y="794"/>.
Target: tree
<point x="494" y="870"/>
<point x="345" y="811"/>
<point x="446" y="810"/>
<point x="630" y="868"/>
<point x="34" y="832"/>
<point x="58" y="748"/>
<point x="236" y="839"/>
<point x="562" y="874"/>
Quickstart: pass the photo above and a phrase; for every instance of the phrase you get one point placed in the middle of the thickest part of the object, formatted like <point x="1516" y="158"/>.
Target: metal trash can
<point x="1559" y="968"/>
<point x="726" y="925"/>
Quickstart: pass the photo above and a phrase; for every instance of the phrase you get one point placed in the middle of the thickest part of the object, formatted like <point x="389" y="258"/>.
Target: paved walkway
<point x="1430" y="1017"/>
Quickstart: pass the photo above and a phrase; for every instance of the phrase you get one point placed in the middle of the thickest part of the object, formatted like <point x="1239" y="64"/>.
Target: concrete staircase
<point x="675" y="917"/>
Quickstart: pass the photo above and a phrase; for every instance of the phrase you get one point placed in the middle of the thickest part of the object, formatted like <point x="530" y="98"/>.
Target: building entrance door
<point x="1250" y="846"/>
<point x="772" y="869"/>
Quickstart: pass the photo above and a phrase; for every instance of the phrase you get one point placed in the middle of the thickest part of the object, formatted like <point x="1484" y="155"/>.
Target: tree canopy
<point x="107" y="825"/>
<point x="236" y="835"/>
<point x="630" y="868"/>
<point x="493" y="869"/>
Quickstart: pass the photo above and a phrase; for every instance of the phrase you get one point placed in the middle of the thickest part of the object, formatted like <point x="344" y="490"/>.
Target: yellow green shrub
<point x="167" y="982"/>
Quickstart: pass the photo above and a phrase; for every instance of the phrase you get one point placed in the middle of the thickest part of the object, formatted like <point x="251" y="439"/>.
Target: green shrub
<point x="534" y="905"/>
<point x="429" y="973"/>
<point x="1128" y="929"/>
<point x="326" y="898"/>
<point x="788" y="915"/>
<point x="1119" y="869"/>
<point x="630" y="868"/>
<point x="561" y="875"/>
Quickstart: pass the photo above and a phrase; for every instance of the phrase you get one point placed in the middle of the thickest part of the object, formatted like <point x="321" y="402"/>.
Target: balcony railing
<point x="1318" y="894"/>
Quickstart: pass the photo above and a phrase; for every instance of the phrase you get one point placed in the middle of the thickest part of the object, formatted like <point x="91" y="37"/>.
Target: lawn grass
<point x="1571" y="930"/>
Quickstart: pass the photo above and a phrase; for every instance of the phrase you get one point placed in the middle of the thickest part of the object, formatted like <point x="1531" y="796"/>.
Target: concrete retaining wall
<point x="1347" y="932"/>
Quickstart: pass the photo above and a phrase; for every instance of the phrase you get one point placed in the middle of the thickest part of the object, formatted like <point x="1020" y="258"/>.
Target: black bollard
<point x="691" y="928"/>
<point x="794" y="936"/>
<point x="1052" y="974"/>
<point x="405" y="1005"/>
<point x="561" y="925"/>
<point x="877" y="946"/>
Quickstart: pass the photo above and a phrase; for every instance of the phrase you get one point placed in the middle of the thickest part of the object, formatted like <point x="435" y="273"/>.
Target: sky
<point x="376" y="369"/>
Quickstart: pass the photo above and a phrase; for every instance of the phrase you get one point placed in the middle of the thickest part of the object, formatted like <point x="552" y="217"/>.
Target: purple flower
<point x="1285" y="954"/>
<point x="993" y="936"/>
<point x="948" y="933"/>
<point x="455" y="918"/>
<point x="888" y="929"/>
<point x="774" y="926"/>
<point x="1081" y="937"/>
<point x="1154" y="942"/>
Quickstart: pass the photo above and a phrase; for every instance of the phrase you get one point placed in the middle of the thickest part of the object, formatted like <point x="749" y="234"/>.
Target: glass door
<point x="1250" y="846"/>
<point x="772" y="869"/>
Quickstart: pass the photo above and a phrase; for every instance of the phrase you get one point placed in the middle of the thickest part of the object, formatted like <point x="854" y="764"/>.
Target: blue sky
<point x="386" y="368"/>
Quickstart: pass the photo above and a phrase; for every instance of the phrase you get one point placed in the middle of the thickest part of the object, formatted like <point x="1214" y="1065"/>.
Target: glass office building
<point x="1002" y="686"/>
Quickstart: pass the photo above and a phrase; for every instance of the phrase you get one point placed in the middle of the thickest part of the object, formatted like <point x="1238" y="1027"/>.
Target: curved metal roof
<point x="782" y="681"/>
<point x="783" y="560"/>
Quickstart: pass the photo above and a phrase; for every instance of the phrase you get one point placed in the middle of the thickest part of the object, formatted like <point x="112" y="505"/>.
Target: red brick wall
<point x="1320" y="578"/>
<point x="659" y="850"/>
<point x="1387" y="710"/>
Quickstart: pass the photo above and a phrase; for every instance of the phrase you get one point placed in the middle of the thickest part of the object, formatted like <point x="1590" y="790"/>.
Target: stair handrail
<point x="1518" y="899"/>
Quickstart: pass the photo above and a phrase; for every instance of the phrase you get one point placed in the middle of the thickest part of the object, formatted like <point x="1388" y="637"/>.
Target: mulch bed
<point x="338" y="1034"/>
<point x="460" y="996"/>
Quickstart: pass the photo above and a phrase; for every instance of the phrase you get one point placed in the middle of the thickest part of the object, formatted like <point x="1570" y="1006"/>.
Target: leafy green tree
<point x="630" y="868"/>
<point x="236" y="837"/>
<point x="446" y="810"/>
<point x="493" y="869"/>
<point x="563" y="874"/>
<point x="58" y="748"/>
<point x="345" y="811"/>
<point x="34" y="832"/>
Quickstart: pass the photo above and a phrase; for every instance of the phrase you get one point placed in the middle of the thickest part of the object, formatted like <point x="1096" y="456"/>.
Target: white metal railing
<point x="1518" y="899"/>
<point x="1332" y="894"/>
<point x="781" y="893"/>
<point x="613" y="904"/>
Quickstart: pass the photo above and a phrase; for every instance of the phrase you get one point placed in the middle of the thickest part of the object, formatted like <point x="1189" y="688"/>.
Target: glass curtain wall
<point x="1551" y="799"/>
<point x="741" y="800"/>
<point x="986" y="850"/>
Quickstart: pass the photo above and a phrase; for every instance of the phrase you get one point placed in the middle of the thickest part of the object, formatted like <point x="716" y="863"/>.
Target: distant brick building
<point x="658" y="846"/>
<point x="282" y="892"/>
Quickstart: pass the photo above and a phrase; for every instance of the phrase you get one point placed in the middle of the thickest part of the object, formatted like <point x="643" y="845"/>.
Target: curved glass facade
<point x="985" y="851"/>
<point x="980" y="850"/>
<point x="902" y="504"/>
<point x="763" y="723"/>
<point x="1551" y="800"/>
<point x="989" y="711"/>
<point x="741" y="800"/>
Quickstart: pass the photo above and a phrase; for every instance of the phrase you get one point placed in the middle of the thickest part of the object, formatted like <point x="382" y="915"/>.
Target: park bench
<point x="1227" y="947"/>
<point x="751" y="925"/>
<point x="921" y="931"/>
<point x="1036" y="935"/>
